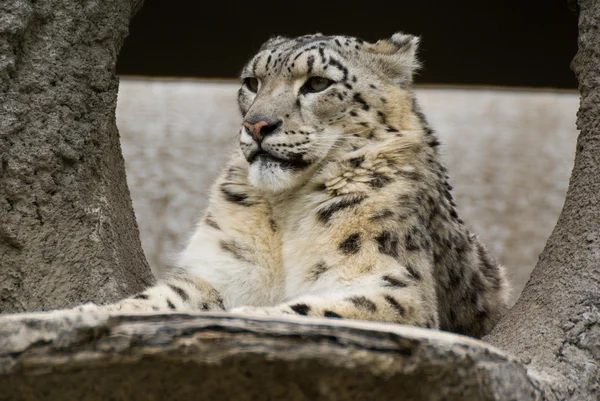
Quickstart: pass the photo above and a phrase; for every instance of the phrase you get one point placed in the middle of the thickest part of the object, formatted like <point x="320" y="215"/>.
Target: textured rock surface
<point x="555" y="326"/>
<point x="67" y="233"/>
<point x="69" y="356"/>
<point x="509" y="153"/>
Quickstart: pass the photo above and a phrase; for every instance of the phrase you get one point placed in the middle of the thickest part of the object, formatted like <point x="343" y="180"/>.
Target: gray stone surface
<point x="67" y="232"/>
<point x="509" y="152"/>
<point x="211" y="356"/>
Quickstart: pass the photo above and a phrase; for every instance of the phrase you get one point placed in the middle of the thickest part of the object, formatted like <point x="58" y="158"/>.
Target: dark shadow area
<point x="512" y="43"/>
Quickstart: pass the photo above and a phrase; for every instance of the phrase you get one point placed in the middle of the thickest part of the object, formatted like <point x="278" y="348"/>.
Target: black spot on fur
<point x="322" y="54"/>
<point x="472" y="296"/>
<point x="364" y="303"/>
<point x="356" y="161"/>
<point x="219" y="301"/>
<point x="254" y="65"/>
<point x="239" y="198"/>
<point x="483" y="314"/>
<point x="320" y="186"/>
<point x="414" y="274"/>
<point x="335" y="63"/>
<point x="179" y="291"/>
<point x="329" y="313"/>
<point x="410" y="175"/>
<point x="141" y="296"/>
<point x="170" y="304"/>
<point x="405" y="199"/>
<point x="233" y="249"/>
<point x="301" y="309"/>
<point x="325" y="214"/>
<point x="390" y="281"/>
<point x="309" y="63"/>
<point x="391" y="129"/>
<point x="455" y="273"/>
<point x="483" y="257"/>
<point x="395" y="305"/>
<point x="317" y="270"/>
<point x="416" y="239"/>
<point x="460" y="244"/>
<point x="452" y="315"/>
<point x="411" y="243"/>
<point x="209" y="221"/>
<point x="353" y="113"/>
<point x="379" y="181"/>
<point x="204" y="307"/>
<point x="232" y="173"/>
<point x="388" y="243"/>
<point x="419" y="113"/>
<point x="351" y="245"/>
<point x="359" y="99"/>
<point x="384" y="214"/>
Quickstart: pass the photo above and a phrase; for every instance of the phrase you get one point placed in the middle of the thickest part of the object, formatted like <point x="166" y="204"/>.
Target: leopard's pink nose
<point x="261" y="129"/>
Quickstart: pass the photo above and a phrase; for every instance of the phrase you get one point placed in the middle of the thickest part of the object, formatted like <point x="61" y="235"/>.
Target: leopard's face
<point x="303" y="98"/>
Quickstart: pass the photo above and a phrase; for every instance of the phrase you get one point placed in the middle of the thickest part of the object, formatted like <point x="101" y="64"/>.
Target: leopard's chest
<point x="306" y="252"/>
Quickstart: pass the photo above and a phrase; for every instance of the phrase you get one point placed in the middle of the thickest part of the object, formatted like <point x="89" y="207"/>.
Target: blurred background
<point x="495" y="42"/>
<point x="496" y="85"/>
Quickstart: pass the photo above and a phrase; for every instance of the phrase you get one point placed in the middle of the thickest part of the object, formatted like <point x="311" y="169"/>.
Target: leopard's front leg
<point x="181" y="292"/>
<point x="390" y="296"/>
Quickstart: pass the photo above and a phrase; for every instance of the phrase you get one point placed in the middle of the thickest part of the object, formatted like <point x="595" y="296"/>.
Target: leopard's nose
<point x="259" y="130"/>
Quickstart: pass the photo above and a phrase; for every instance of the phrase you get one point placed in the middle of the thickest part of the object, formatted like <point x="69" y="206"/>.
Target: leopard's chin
<point x="271" y="174"/>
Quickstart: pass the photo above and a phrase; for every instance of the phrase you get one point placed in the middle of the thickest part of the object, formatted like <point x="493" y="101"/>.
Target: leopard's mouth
<point x="292" y="163"/>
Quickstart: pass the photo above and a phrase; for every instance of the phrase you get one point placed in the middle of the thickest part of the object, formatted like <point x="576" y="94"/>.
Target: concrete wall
<point x="509" y="154"/>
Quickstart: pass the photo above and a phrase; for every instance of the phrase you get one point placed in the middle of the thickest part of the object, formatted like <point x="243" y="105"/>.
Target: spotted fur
<point x="336" y="203"/>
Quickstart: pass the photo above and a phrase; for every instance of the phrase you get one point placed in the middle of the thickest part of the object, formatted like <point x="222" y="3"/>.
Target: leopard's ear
<point x="396" y="57"/>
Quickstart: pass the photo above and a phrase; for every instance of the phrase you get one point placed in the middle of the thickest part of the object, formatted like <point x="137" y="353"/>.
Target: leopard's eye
<point x="251" y="84"/>
<point x="315" y="84"/>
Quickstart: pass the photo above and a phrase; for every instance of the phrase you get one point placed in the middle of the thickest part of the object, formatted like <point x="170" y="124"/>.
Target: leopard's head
<point x="303" y="98"/>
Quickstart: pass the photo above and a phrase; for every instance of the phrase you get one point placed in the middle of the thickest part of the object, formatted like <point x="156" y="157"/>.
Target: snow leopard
<point x="336" y="202"/>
